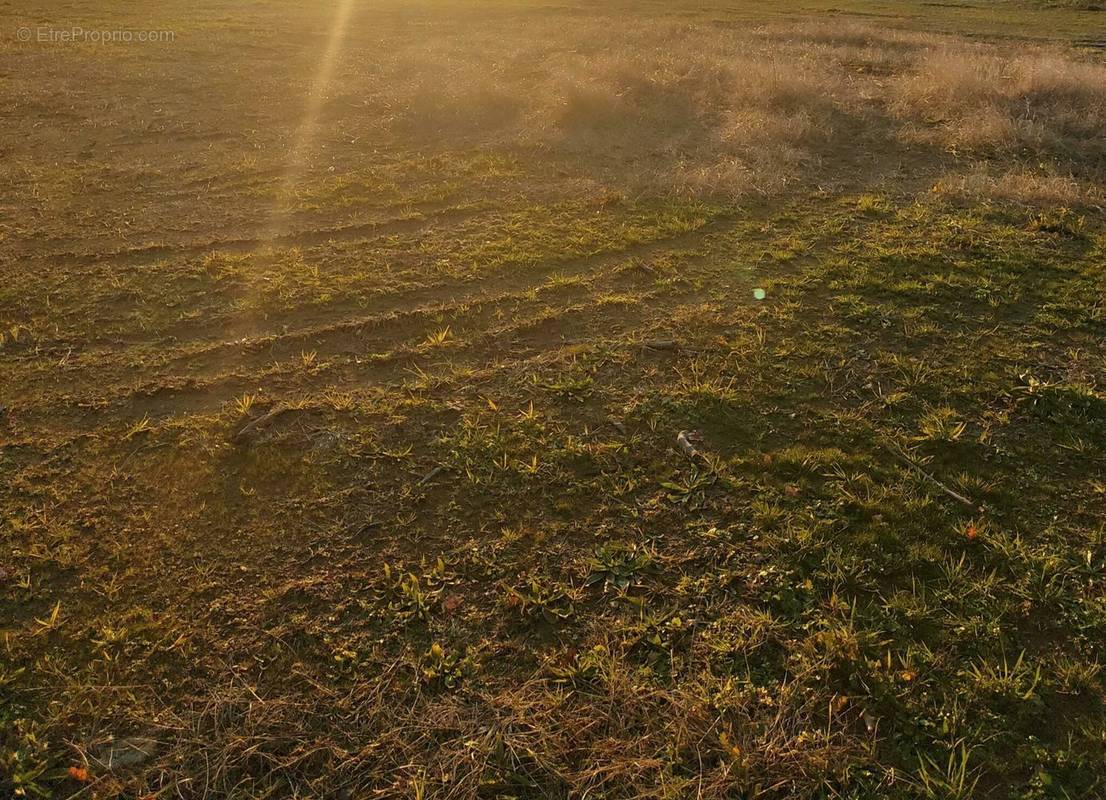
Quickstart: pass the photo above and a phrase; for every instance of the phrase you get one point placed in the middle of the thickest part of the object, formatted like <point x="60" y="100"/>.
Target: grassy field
<point x="580" y="400"/>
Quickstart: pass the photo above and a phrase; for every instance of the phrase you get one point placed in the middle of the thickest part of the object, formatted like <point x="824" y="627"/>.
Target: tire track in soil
<point x="388" y="324"/>
<point x="523" y="340"/>
<point x="308" y="237"/>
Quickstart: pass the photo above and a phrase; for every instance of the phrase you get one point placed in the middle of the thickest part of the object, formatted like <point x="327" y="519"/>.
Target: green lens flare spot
<point x="759" y="294"/>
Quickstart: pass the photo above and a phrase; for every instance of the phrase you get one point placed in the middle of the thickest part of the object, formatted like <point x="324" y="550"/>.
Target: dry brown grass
<point x="542" y="738"/>
<point x="980" y="99"/>
<point x="659" y="102"/>
<point x="719" y="110"/>
<point x="1032" y="187"/>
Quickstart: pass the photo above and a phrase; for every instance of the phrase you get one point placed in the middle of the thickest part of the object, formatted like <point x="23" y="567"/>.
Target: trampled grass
<point x="588" y="401"/>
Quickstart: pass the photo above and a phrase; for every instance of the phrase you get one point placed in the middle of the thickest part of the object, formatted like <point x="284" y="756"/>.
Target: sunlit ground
<point x="442" y="400"/>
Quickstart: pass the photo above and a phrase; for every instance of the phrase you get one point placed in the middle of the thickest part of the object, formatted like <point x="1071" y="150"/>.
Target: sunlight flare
<point x="305" y="133"/>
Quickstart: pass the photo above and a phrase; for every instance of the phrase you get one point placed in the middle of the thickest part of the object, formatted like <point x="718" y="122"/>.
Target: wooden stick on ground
<point x="914" y="465"/>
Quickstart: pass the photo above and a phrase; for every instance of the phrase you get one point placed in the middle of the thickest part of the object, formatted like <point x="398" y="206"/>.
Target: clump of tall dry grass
<point x="984" y="100"/>
<point x="710" y="108"/>
<point x="1033" y="186"/>
<point x="670" y="103"/>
